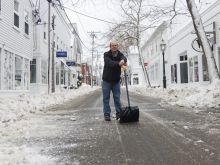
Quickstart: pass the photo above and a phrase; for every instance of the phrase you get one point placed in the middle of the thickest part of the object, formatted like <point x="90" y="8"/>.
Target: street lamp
<point x="163" y="48"/>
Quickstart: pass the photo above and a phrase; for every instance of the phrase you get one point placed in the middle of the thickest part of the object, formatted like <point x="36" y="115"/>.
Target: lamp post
<point x="163" y="48"/>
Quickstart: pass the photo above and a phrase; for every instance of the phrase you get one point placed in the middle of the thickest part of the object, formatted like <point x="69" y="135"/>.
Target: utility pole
<point x="49" y="60"/>
<point x="92" y="34"/>
<point x="53" y="58"/>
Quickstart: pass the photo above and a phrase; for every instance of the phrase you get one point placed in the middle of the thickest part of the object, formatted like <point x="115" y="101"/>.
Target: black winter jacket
<point x="112" y="70"/>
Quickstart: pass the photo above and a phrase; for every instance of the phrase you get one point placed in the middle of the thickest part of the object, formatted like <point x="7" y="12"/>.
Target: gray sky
<point x="102" y="9"/>
<point x="108" y="10"/>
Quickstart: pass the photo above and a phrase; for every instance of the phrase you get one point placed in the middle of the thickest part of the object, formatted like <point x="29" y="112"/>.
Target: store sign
<point x="61" y="54"/>
<point x="70" y="63"/>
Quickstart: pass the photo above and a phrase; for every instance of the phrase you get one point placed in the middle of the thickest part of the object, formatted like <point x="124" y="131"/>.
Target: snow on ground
<point x="15" y="115"/>
<point x="16" y="111"/>
<point x="193" y="97"/>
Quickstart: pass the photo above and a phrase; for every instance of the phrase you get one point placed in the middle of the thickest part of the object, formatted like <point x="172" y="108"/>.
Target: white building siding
<point x="136" y="71"/>
<point x="62" y="39"/>
<point x="16" y="48"/>
<point x="184" y="65"/>
<point x="15" y="38"/>
<point x="182" y="41"/>
<point x="153" y="56"/>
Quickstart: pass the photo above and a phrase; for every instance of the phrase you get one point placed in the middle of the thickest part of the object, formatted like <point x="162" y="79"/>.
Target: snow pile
<point x="16" y="107"/>
<point x="15" y="122"/>
<point x="193" y="97"/>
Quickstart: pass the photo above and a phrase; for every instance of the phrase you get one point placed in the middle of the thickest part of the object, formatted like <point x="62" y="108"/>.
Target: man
<point x="113" y="61"/>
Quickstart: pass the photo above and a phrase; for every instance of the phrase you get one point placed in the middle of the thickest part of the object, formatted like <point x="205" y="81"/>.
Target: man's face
<point x="114" y="47"/>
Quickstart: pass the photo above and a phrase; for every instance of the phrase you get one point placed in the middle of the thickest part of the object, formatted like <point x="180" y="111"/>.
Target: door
<point x="184" y="72"/>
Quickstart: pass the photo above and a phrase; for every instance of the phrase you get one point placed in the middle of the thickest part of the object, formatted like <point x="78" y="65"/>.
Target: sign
<point x="70" y="63"/>
<point x="61" y="54"/>
<point x="145" y="64"/>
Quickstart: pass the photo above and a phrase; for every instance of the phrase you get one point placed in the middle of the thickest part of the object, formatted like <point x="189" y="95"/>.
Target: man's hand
<point x="122" y="62"/>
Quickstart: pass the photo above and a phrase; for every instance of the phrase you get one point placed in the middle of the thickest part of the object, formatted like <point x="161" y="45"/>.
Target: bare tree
<point x="201" y="35"/>
<point x="130" y="29"/>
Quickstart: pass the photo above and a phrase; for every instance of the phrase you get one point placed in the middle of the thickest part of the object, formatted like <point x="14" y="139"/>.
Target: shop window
<point x="183" y="67"/>
<point x="8" y="76"/>
<point x="33" y="71"/>
<point x="18" y="72"/>
<point x="196" y="69"/>
<point x="173" y="73"/>
<point x="193" y="69"/>
<point x="16" y="13"/>
<point x="26" y="74"/>
<point x="205" y="68"/>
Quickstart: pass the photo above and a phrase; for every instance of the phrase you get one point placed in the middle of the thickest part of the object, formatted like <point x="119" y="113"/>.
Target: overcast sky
<point x="107" y="10"/>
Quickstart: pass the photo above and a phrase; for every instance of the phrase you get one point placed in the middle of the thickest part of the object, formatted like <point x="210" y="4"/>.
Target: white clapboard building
<point x="16" y="45"/>
<point x="64" y="47"/>
<point x="185" y="63"/>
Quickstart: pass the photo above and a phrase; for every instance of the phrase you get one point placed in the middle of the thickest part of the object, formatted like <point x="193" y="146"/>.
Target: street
<point x="75" y="133"/>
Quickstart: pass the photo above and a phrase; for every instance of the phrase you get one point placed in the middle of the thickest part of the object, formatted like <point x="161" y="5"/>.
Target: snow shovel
<point x="128" y="113"/>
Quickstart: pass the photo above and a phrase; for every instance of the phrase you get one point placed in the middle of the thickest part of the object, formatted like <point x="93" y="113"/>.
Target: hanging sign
<point x="61" y="54"/>
<point x="70" y="63"/>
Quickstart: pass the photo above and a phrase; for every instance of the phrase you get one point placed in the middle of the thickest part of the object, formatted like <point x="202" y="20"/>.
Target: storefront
<point x="14" y="71"/>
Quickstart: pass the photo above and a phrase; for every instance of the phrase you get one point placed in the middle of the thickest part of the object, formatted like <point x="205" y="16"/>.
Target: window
<point x="184" y="72"/>
<point x="16" y="13"/>
<point x="205" y="69"/>
<point x="193" y="69"/>
<point x="196" y="69"/>
<point x="26" y="74"/>
<point x="45" y="36"/>
<point x="26" y="24"/>
<point x="173" y="73"/>
<point x="44" y="72"/>
<point x="183" y="67"/>
<point x="18" y="72"/>
<point x="183" y="58"/>
<point x="57" y="75"/>
<point x="135" y="81"/>
<point x="8" y="67"/>
<point x="33" y="71"/>
<point x="62" y="74"/>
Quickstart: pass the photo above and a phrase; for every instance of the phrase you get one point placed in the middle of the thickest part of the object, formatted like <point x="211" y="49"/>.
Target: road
<point x="76" y="133"/>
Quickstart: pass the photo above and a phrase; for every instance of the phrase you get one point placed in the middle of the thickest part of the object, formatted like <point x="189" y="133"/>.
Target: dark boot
<point x="107" y="117"/>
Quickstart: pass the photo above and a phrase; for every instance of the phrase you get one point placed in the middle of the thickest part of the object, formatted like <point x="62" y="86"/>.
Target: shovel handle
<point x="126" y="84"/>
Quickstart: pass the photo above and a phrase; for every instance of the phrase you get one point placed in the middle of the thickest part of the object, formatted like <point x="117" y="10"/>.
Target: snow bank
<point x="193" y="97"/>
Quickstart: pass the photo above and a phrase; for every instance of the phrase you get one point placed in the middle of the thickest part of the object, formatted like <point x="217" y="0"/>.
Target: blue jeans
<point x="107" y="87"/>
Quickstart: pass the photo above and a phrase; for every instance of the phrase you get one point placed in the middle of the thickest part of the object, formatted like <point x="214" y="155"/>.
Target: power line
<point x="86" y="15"/>
<point x="73" y="32"/>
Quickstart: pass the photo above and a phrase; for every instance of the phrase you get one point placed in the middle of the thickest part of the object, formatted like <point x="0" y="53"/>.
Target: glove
<point x="124" y="68"/>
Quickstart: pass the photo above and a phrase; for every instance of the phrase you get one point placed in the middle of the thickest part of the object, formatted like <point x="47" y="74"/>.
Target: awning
<point x="71" y="68"/>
